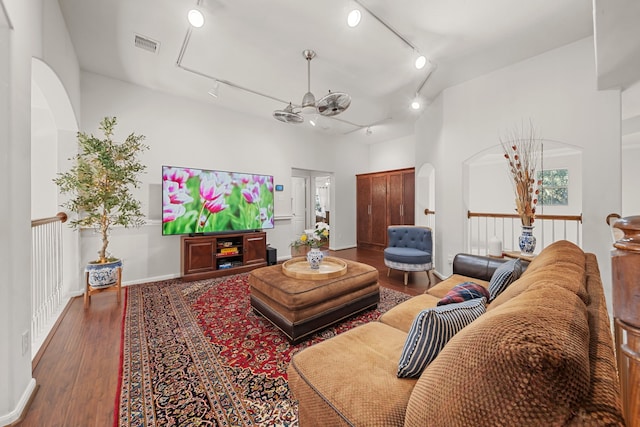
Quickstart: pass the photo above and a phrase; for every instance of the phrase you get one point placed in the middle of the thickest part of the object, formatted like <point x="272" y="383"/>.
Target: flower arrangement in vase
<point x="314" y="239"/>
<point x="521" y="149"/>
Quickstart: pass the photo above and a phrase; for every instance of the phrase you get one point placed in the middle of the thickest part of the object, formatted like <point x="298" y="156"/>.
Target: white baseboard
<point x="22" y="405"/>
<point x="439" y="275"/>
<point x="151" y="279"/>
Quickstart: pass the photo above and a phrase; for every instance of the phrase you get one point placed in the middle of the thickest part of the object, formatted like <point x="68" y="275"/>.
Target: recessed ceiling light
<point x="421" y="61"/>
<point x="415" y="104"/>
<point x="196" y="18"/>
<point x="353" y="19"/>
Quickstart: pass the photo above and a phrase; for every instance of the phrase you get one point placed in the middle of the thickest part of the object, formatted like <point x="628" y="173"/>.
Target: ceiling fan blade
<point x="333" y="103"/>
<point x="288" y="115"/>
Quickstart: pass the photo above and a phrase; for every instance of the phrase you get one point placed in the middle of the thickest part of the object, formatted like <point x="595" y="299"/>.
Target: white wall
<point x="630" y="162"/>
<point x="17" y="45"/>
<point x="187" y="133"/>
<point x="557" y="91"/>
<point x="630" y="149"/>
<point x="44" y="147"/>
<point x="394" y="154"/>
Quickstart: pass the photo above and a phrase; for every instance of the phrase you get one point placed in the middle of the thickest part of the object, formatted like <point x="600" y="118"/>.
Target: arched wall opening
<point x="54" y="126"/>
<point x="487" y="188"/>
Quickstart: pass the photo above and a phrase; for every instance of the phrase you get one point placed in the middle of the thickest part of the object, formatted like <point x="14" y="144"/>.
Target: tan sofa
<point x="542" y="355"/>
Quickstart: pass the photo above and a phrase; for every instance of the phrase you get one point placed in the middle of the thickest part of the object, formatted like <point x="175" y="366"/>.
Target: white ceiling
<point x="258" y="45"/>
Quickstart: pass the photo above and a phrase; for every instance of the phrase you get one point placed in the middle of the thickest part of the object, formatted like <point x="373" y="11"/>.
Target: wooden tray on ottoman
<point x="329" y="268"/>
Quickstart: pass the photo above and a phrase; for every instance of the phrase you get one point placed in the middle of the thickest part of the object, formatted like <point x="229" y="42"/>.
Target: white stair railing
<point x="46" y="277"/>
<point x="482" y="227"/>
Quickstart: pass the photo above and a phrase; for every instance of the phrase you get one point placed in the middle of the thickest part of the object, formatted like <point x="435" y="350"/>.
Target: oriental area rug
<point x="195" y="354"/>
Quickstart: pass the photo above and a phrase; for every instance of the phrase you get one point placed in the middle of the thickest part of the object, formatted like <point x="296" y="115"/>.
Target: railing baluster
<point x="545" y="237"/>
<point x="46" y="276"/>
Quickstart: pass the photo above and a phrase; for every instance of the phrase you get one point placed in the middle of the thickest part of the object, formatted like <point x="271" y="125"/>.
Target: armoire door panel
<point x="363" y="207"/>
<point x="395" y="199"/>
<point x="378" y="209"/>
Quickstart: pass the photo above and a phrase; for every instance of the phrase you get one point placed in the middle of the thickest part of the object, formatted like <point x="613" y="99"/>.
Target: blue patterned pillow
<point x="430" y="332"/>
<point x="504" y="275"/>
<point x="464" y="292"/>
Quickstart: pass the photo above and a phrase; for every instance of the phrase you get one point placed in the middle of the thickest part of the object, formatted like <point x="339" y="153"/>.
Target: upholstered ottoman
<point x="299" y="307"/>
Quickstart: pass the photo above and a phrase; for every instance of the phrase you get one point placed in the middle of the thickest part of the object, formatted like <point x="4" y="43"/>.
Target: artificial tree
<point x="101" y="182"/>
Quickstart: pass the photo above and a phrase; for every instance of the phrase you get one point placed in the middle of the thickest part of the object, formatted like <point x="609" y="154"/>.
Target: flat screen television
<point x="201" y="201"/>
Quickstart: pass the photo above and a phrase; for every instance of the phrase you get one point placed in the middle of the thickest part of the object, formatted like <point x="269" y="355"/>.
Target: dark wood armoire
<point x="383" y="199"/>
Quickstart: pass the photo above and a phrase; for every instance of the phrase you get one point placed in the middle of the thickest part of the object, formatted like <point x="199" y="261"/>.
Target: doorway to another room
<point x="310" y="199"/>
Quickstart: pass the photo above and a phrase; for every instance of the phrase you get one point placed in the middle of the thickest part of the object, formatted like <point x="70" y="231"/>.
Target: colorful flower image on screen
<point x="206" y="201"/>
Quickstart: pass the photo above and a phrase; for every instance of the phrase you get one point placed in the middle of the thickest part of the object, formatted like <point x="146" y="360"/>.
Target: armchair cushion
<point x="407" y="255"/>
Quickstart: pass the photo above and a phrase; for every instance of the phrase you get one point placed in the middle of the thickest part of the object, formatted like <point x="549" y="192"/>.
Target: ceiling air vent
<point x="147" y="44"/>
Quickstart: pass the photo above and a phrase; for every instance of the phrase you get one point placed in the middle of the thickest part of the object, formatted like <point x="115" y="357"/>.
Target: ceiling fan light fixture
<point x="308" y="103"/>
<point x="353" y="18"/>
<point x="329" y="105"/>
<point x="196" y="18"/>
<point x="421" y="61"/>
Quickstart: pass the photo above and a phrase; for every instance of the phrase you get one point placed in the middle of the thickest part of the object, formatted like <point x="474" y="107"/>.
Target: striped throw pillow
<point x="504" y="275"/>
<point x="430" y="332"/>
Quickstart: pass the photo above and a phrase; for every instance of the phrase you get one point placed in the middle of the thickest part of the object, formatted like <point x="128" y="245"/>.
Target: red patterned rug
<point x="195" y="354"/>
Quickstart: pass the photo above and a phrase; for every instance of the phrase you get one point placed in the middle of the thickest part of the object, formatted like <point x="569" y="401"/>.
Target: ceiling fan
<point x="329" y="105"/>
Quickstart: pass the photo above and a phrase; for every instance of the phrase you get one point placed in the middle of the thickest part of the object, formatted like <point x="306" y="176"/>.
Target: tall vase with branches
<point x="521" y="149"/>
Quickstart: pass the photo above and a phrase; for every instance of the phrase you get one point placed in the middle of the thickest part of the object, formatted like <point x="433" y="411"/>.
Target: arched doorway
<point x="53" y="142"/>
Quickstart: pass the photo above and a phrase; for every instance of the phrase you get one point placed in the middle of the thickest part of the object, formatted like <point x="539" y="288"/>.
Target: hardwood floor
<point x="77" y="374"/>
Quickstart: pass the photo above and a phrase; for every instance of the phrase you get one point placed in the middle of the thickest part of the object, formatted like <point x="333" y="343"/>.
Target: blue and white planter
<point x="103" y="275"/>
<point x="527" y="241"/>
<point x="315" y="257"/>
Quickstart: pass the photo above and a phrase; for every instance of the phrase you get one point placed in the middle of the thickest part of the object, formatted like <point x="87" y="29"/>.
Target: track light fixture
<point x="416" y="104"/>
<point x="196" y="18"/>
<point x="215" y="89"/>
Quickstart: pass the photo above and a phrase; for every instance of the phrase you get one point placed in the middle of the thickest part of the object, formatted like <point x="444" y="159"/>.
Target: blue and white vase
<point x="527" y="241"/>
<point x="314" y="257"/>
<point x="102" y="275"/>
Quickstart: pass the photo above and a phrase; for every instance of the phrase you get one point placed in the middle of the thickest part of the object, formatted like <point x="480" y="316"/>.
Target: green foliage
<point x="101" y="182"/>
<point x="555" y="187"/>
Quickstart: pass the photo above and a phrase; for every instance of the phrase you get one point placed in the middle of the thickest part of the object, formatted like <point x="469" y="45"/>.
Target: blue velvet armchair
<point x="409" y="248"/>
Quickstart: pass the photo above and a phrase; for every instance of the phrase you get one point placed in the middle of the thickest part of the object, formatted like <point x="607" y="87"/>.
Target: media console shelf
<point x="203" y="257"/>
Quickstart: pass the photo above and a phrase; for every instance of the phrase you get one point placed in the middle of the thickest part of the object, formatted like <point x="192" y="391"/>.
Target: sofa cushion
<point x="464" y="292"/>
<point x="430" y="332"/>
<point x="560" y="251"/>
<point x="569" y="277"/>
<point x="442" y="288"/>
<point x="346" y="380"/>
<point x="504" y="275"/>
<point x="401" y="316"/>
<point x="523" y="363"/>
